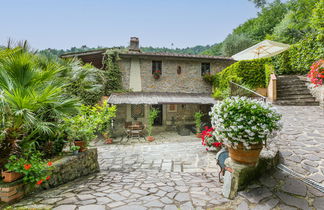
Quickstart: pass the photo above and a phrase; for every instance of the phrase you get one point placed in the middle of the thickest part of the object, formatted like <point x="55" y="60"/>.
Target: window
<point x="137" y="111"/>
<point x="156" y="66"/>
<point x="172" y="108"/>
<point x="205" y="68"/>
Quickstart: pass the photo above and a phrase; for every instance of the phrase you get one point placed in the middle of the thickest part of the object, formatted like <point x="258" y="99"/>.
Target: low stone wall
<point x="240" y="175"/>
<point x="317" y="92"/>
<point x="65" y="170"/>
<point x="71" y="167"/>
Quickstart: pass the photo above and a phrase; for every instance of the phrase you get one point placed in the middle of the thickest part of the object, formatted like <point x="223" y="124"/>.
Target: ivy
<point x="113" y="76"/>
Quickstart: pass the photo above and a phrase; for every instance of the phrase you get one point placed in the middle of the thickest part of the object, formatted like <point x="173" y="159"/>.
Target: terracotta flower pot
<point x="244" y="156"/>
<point x="81" y="144"/>
<point x="8" y="176"/>
<point x="150" y="138"/>
<point x="108" y="140"/>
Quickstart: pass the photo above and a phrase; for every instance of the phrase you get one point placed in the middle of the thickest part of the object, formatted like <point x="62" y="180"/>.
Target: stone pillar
<point x="236" y="177"/>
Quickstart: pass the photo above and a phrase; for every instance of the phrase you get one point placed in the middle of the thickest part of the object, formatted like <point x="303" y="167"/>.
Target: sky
<point x="62" y="24"/>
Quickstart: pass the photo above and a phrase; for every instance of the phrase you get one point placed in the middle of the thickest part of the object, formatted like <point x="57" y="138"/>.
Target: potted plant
<point x="75" y="149"/>
<point x="156" y="74"/>
<point x="81" y="128"/>
<point x="198" y="116"/>
<point x="153" y="113"/>
<point x="34" y="169"/>
<point x="244" y="125"/>
<point x="108" y="139"/>
<point x="10" y="176"/>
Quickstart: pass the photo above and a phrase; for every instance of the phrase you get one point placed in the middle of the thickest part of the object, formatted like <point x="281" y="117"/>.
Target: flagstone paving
<point x="176" y="172"/>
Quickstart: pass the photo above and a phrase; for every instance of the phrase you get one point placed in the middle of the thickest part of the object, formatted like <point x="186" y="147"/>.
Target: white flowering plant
<point x="242" y="120"/>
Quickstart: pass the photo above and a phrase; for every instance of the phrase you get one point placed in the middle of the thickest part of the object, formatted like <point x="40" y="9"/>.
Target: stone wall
<point x="65" y="170"/>
<point x="72" y="167"/>
<point x="11" y="191"/>
<point x="318" y="93"/>
<point x="189" y="81"/>
<point x="121" y="118"/>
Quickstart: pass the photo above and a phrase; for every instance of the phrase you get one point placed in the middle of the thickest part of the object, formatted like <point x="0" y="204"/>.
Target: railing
<point x="239" y="90"/>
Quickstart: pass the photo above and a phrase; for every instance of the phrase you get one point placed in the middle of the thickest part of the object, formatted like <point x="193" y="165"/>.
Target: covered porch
<point x="175" y="109"/>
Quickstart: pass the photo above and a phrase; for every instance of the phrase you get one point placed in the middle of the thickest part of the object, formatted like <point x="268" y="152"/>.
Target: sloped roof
<point x="266" y="48"/>
<point x="160" y="98"/>
<point x="148" y="54"/>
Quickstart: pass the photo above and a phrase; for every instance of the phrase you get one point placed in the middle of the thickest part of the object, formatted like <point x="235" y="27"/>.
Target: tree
<point x="317" y="20"/>
<point x="259" y="3"/>
<point x="31" y="100"/>
<point x="258" y="28"/>
<point x="235" y="43"/>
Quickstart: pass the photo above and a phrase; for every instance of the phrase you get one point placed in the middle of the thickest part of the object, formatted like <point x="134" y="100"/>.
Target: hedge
<point x="250" y="73"/>
<point x="300" y="56"/>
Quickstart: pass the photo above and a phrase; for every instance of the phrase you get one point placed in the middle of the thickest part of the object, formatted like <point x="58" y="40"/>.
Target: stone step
<point x="296" y="103"/>
<point x="296" y="97"/>
<point x="285" y="92"/>
<point x="299" y="82"/>
<point x="288" y="76"/>
<point x="292" y="86"/>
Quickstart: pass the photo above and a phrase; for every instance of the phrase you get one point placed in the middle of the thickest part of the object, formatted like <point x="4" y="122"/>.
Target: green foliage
<point x="257" y="28"/>
<point x="56" y="52"/>
<point x="281" y="63"/>
<point x="84" y="81"/>
<point x="31" y="100"/>
<point x="300" y="56"/>
<point x="34" y="168"/>
<point x="112" y="72"/>
<point x="297" y="22"/>
<point x="259" y="3"/>
<point x="74" y="148"/>
<point x="250" y="73"/>
<point x="269" y="69"/>
<point x="198" y="116"/>
<point x="212" y="79"/>
<point x="317" y="20"/>
<point x="91" y="119"/>
<point x="188" y="50"/>
<point x="235" y="43"/>
<point x="153" y="113"/>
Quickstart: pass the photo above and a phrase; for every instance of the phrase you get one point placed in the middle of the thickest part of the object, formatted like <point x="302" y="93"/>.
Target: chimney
<point x="134" y="44"/>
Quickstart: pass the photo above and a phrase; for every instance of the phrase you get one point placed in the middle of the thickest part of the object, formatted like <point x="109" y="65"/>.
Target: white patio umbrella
<point x="263" y="49"/>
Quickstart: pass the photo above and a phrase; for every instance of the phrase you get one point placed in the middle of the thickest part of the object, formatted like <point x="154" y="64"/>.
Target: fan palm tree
<point x="31" y="99"/>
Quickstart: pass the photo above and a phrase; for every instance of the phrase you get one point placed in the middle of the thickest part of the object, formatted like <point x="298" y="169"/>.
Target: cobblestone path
<point x="176" y="172"/>
<point x="302" y="140"/>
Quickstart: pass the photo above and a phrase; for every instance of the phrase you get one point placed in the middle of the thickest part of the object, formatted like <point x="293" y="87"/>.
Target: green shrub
<point x="198" y="116"/>
<point x="300" y="56"/>
<point x="268" y="71"/>
<point x="250" y="73"/>
<point x="153" y="113"/>
<point x="282" y="64"/>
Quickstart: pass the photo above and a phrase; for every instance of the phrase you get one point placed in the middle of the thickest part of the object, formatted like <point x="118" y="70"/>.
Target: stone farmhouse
<point x="172" y="83"/>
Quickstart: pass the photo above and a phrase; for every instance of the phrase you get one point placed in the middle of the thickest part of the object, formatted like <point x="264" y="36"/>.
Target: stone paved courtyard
<point x="176" y="172"/>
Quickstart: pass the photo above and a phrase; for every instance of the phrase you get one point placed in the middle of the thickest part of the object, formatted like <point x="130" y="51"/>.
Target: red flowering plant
<point x="208" y="139"/>
<point x="34" y="169"/>
<point x="316" y="74"/>
<point x="157" y="74"/>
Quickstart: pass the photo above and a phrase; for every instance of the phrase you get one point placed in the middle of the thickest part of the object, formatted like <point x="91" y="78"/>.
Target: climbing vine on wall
<point x="112" y="72"/>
